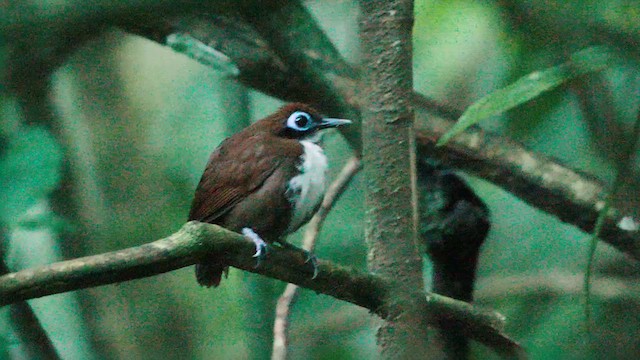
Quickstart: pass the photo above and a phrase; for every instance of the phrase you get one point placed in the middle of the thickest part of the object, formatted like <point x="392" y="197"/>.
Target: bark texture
<point x="390" y="170"/>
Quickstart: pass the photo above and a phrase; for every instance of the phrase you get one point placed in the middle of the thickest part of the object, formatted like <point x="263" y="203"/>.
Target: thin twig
<point x="281" y="323"/>
<point x="289" y="296"/>
<point x="335" y="190"/>
<point x="623" y="167"/>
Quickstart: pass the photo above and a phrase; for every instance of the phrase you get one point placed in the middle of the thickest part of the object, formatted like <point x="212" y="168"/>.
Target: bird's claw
<point x="261" y="246"/>
<point x="261" y="251"/>
<point x="311" y="258"/>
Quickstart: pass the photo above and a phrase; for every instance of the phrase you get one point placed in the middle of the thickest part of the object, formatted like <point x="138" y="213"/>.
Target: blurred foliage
<point x="29" y="171"/>
<point x="133" y="124"/>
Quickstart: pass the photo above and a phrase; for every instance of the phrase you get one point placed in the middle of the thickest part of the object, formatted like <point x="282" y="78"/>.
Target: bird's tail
<point x="210" y="273"/>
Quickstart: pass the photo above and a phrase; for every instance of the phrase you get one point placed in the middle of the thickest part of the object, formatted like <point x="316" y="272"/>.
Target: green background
<point x="133" y="125"/>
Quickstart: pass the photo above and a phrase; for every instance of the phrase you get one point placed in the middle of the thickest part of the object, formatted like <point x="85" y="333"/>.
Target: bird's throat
<point x="306" y="190"/>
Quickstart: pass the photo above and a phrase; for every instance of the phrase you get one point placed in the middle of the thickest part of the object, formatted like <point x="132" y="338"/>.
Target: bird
<point x="265" y="182"/>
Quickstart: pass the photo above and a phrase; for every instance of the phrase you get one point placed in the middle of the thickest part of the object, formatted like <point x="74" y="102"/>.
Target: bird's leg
<point x="261" y="246"/>
<point x="310" y="257"/>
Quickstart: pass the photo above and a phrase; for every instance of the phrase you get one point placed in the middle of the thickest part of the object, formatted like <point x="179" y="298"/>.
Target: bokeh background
<point x="133" y="124"/>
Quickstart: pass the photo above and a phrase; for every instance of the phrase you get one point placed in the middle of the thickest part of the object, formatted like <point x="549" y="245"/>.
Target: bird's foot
<point x="310" y="258"/>
<point x="261" y="246"/>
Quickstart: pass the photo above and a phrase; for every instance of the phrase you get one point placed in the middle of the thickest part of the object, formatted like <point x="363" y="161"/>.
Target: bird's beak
<point x="330" y="122"/>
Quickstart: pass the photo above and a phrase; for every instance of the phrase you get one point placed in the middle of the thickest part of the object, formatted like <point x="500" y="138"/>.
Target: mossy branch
<point x="194" y="240"/>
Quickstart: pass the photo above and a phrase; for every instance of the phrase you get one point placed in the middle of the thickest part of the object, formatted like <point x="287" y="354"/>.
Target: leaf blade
<point x="530" y="86"/>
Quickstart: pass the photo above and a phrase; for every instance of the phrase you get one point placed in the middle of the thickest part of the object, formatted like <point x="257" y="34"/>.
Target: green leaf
<point x="29" y="170"/>
<point x="530" y="86"/>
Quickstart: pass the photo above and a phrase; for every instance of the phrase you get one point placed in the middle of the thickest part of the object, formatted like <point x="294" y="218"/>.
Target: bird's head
<point x="298" y="121"/>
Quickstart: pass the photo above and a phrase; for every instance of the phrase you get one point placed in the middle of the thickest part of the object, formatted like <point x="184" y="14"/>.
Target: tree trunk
<point x="390" y="170"/>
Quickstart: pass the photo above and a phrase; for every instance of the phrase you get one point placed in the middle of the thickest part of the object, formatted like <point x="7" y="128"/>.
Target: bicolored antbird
<point x="265" y="182"/>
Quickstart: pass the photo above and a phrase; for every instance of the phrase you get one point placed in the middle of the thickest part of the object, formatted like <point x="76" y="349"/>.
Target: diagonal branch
<point x="183" y="248"/>
<point x="573" y="197"/>
<point x="195" y="240"/>
<point x="252" y="52"/>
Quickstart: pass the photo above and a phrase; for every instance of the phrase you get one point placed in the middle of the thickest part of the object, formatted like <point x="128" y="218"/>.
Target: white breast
<point x="306" y="190"/>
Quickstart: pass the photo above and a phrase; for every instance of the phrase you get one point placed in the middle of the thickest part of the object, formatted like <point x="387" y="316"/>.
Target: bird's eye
<point x="299" y="121"/>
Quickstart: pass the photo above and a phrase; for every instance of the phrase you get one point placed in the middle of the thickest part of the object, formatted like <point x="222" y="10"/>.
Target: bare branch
<point x="281" y="323"/>
<point x="289" y="296"/>
<point x="573" y="197"/>
<point x="196" y="240"/>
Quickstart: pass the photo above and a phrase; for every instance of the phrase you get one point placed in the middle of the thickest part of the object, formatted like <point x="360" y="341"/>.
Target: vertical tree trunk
<point x="390" y="170"/>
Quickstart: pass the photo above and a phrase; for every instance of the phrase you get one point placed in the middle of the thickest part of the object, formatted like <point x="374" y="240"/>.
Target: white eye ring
<point x="299" y="121"/>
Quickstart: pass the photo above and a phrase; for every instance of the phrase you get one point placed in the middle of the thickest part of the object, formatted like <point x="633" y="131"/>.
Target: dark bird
<point x="265" y="182"/>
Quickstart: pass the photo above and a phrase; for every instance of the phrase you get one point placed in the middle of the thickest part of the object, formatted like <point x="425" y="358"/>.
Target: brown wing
<point x="236" y="168"/>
